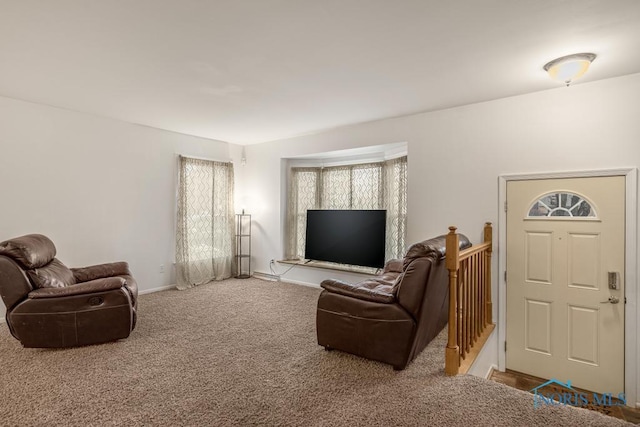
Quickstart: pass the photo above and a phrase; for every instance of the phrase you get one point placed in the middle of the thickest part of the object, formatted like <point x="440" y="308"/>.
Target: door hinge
<point x="505" y="205"/>
<point x="505" y="346"/>
<point x="505" y="276"/>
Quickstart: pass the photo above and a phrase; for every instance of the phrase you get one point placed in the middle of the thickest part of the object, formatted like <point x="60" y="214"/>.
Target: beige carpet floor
<point x="243" y="352"/>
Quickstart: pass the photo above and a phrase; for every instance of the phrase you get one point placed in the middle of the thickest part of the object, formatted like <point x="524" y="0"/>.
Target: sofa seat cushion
<point x="53" y="275"/>
<point x="375" y="290"/>
<point x="30" y="251"/>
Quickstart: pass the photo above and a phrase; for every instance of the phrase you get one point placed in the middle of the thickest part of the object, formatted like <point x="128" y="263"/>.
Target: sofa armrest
<point x="98" y="285"/>
<point x="368" y="290"/>
<point x="93" y="272"/>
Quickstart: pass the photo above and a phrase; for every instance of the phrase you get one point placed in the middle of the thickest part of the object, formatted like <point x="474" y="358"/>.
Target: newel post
<point x="452" y="352"/>
<point x="488" y="238"/>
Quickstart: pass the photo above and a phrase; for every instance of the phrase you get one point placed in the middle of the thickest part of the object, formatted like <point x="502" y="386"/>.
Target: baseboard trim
<point x="274" y="278"/>
<point x="265" y="276"/>
<point x="152" y="290"/>
<point x="490" y="371"/>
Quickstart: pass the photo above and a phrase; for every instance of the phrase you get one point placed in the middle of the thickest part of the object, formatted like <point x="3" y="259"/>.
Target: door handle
<point x="611" y="300"/>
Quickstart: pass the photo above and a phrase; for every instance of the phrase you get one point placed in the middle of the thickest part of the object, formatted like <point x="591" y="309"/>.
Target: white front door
<point x="565" y="243"/>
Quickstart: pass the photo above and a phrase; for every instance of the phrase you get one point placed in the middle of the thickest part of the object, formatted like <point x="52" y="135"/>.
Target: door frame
<point x="632" y="294"/>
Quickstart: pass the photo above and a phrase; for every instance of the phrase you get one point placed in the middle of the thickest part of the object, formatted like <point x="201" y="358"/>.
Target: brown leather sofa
<point x="392" y="317"/>
<point x="50" y="305"/>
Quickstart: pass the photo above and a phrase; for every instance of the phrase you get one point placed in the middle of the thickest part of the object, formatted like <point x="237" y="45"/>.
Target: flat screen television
<point x="355" y="237"/>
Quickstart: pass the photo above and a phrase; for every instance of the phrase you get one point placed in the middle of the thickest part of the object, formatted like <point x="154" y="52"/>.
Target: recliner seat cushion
<point x="30" y="251"/>
<point x="112" y="269"/>
<point x="53" y="275"/>
<point x="370" y="290"/>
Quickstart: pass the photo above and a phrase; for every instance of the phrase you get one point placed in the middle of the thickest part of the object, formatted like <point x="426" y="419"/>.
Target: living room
<point x="103" y="188"/>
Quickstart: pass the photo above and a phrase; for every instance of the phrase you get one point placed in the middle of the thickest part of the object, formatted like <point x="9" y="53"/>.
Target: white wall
<point x="456" y="156"/>
<point x="101" y="189"/>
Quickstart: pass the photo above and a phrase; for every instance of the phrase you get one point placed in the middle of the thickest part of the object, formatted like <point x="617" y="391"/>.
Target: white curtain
<point x="380" y="185"/>
<point x="205" y="244"/>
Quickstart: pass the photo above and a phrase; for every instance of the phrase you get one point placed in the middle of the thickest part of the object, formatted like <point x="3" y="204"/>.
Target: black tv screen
<point x="355" y="237"/>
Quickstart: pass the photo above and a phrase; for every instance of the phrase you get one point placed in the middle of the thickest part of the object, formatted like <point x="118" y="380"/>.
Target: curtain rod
<point x="207" y="159"/>
<point x="328" y="163"/>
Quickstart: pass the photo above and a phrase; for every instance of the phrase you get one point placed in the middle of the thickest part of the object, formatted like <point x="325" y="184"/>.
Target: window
<point x="561" y="204"/>
<point x="381" y="185"/>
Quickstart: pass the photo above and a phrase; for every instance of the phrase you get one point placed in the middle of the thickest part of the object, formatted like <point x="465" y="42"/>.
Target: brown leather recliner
<point x="50" y="305"/>
<point x="392" y="317"/>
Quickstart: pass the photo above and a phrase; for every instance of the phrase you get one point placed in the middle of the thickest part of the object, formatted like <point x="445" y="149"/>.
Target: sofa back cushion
<point x="30" y="251"/>
<point x="53" y="275"/>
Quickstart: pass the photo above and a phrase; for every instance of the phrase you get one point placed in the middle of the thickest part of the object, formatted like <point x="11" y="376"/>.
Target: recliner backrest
<point x="435" y="247"/>
<point x="35" y="253"/>
<point x="418" y="265"/>
<point x="14" y="283"/>
<point x="17" y="257"/>
<point x="412" y="284"/>
<point x="30" y="251"/>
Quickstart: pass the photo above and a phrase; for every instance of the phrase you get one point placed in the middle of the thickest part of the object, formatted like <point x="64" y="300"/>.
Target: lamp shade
<point x="568" y="68"/>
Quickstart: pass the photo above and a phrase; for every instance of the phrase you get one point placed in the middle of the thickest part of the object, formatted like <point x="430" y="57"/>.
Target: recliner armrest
<point x="93" y="272"/>
<point x="98" y="285"/>
<point x="393" y="266"/>
<point x="368" y="290"/>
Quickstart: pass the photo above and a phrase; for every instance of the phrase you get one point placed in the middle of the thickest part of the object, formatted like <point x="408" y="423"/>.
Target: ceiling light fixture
<point x="568" y="68"/>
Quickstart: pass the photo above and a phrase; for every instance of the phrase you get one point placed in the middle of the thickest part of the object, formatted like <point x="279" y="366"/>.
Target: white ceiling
<point x="249" y="71"/>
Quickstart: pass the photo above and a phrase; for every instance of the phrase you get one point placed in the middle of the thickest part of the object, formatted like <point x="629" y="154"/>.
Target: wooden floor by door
<point x="565" y="245"/>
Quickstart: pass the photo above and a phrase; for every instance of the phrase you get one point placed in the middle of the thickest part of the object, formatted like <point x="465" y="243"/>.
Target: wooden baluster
<point x="463" y="310"/>
<point x="485" y="270"/>
<point x="470" y="303"/>
<point x="474" y="299"/>
<point x="482" y="295"/>
<point x="452" y="352"/>
<point x="467" y="309"/>
<point x="459" y="313"/>
<point x="488" y="238"/>
<point x="477" y="299"/>
<point x="474" y="272"/>
<point x="478" y="295"/>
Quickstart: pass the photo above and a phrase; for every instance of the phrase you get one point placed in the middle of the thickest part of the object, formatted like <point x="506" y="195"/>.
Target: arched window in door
<point x="562" y="204"/>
